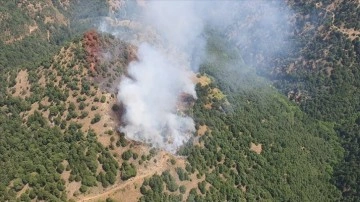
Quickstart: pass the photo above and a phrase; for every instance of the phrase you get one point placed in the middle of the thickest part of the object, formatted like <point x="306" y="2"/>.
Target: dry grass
<point x="350" y="33"/>
<point x="127" y="190"/>
<point x="22" y="85"/>
<point x="23" y="190"/>
<point x="202" y="130"/>
<point x="49" y="19"/>
<point x="33" y="28"/>
<point x="216" y="93"/>
<point x="208" y="106"/>
<point x="42" y="80"/>
<point x="257" y="148"/>
<point x="72" y="188"/>
<point x="35" y="11"/>
<point x="331" y="7"/>
<point x="203" y="80"/>
<point x="108" y="119"/>
<point x="189" y="184"/>
<point x="243" y="188"/>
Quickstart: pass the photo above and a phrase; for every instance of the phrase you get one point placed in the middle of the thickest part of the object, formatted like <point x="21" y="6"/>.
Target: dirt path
<point x="349" y="33"/>
<point x="158" y="167"/>
<point x="117" y="187"/>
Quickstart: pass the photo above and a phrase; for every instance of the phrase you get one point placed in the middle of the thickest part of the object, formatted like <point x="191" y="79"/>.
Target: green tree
<point x="96" y="119"/>
<point x="127" y="155"/>
<point x="127" y="171"/>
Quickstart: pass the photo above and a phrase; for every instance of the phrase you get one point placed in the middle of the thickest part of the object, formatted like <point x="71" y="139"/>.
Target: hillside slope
<point x="272" y="123"/>
<point x="257" y="144"/>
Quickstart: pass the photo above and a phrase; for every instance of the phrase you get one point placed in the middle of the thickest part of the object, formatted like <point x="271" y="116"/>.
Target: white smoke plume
<point x="162" y="72"/>
<point x="150" y="97"/>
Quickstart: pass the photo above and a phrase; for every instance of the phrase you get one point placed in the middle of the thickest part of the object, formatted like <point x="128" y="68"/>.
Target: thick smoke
<point x="162" y="72"/>
<point x="151" y="92"/>
<point x="150" y="98"/>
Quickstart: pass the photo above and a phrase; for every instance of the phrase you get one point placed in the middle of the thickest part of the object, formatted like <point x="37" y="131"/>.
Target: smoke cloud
<point x="162" y="73"/>
<point x="150" y="97"/>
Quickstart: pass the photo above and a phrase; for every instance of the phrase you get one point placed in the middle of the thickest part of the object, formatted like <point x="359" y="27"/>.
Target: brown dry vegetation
<point x="33" y="13"/>
<point x="350" y="33"/>
<point x="91" y="43"/>
<point x="21" y="88"/>
<point x="257" y="148"/>
<point x="213" y="93"/>
<point x="202" y="130"/>
<point x="108" y="117"/>
<point x="130" y="190"/>
<point x="203" y="80"/>
<point x="109" y="122"/>
<point x="66" y="67"/>
<point x="14" y="38"/>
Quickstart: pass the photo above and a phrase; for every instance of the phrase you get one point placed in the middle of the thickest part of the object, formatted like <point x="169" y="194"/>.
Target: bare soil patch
<point x="257" y="148"/>
<point x="33" y="28"/>
<point x="202" y="130"/>
<point x="66" y="174"/>
<point x="49" y="19"/>
<point x="22" y="84"/>
<point x="350" y="33"/>
<point x="208" y="106"/>
<point x="193" y="183"/>
<point x="23" y="190"/>
<point x="243" y="188"/>
<point x="127" y="190"/>
<point x="71" y="188"/>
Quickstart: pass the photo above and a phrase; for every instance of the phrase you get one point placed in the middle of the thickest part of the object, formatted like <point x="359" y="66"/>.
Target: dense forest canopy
<point x="279" y="127"/>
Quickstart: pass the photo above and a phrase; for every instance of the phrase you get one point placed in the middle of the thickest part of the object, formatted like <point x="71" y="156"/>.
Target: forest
<point x="271" y="133"/>
<point x="293" y="145"/>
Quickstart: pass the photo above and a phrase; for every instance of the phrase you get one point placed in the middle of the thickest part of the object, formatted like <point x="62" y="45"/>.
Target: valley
<point x="123" y="100"/>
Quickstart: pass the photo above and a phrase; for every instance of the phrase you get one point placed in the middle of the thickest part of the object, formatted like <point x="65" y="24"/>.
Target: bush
<point x="83" y="188"/>
<point x="115" y="107"/>
<point x="84" y="114"/>
<point x="182" y="189"/>
<point x="96" y="119"/>
<point x="18" y="185"/>
<point x="60" y="168"/>
<point x="110" y="200"/>
<point x="127" y="171"/>
<point x="127" y="155"/>
<point x="103" y="99"/>
<point x="182" y="174"/>
<point x="82" y="105"/>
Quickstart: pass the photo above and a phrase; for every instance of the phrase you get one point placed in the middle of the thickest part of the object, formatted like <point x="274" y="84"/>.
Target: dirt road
<point x="158" y="167"/>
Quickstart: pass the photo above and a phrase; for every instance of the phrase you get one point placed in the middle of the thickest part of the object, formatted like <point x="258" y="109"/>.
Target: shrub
<point x="96" y="119"/>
